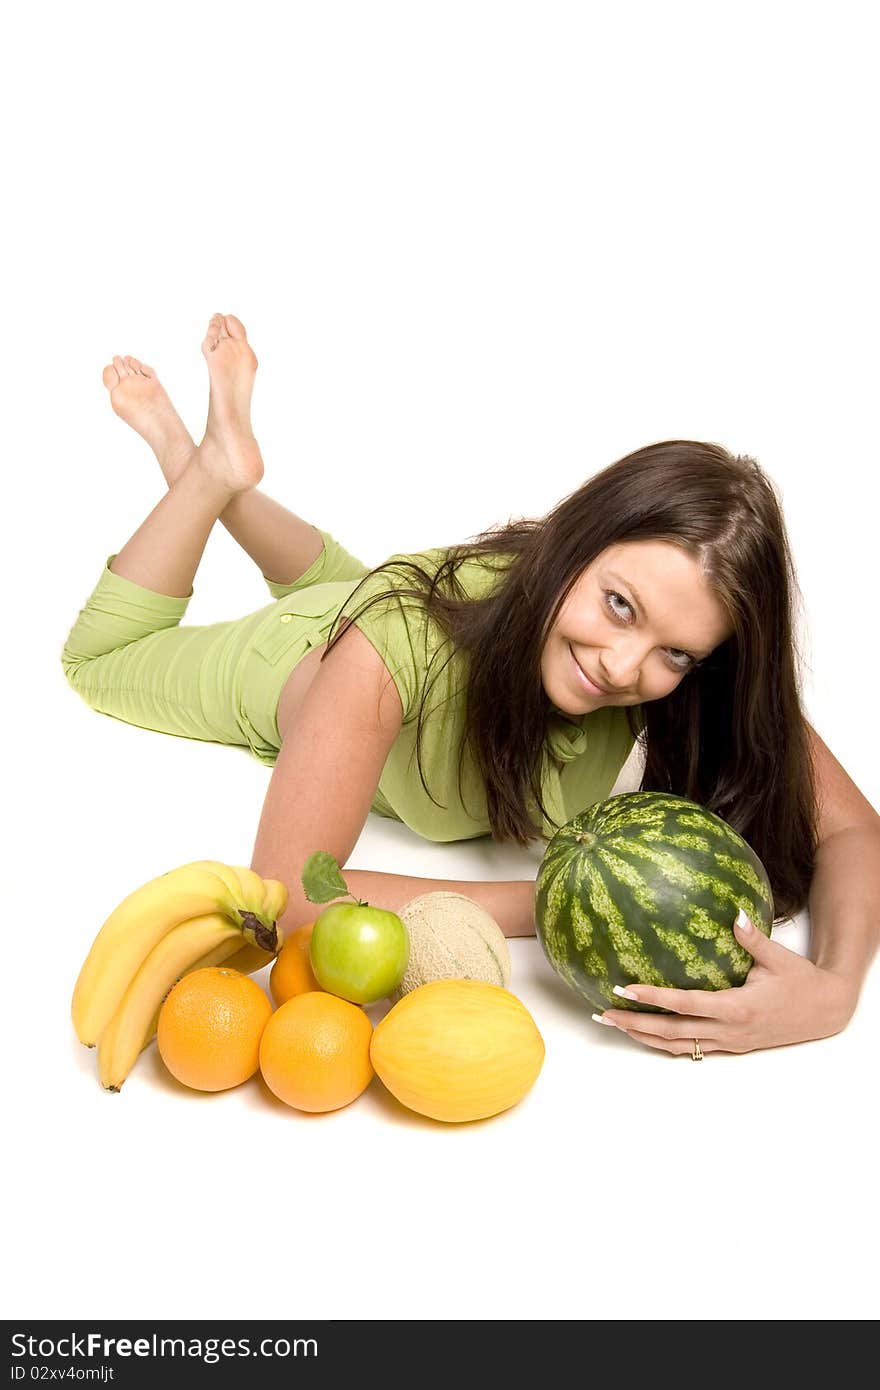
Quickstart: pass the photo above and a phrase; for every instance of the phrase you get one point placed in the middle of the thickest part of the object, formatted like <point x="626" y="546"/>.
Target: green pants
<point x="128" y="656"/>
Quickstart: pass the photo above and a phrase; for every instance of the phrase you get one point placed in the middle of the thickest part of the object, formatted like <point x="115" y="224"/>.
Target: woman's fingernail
<point x="625" y="993"/>
<point x="600" y="1018"/>
<point x="742" y="921"/>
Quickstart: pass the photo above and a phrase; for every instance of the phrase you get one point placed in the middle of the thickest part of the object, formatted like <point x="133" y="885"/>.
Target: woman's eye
<point x="676" y="665"/>
<point x="609" y="595"/>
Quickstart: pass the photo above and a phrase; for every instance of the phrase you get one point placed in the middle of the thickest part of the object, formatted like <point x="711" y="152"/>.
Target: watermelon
<point x="643" y="888"/>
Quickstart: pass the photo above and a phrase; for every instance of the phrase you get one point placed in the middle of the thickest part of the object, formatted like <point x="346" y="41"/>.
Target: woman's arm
<point x="323" y="785"/>
<point x="510" y="903"/>
<point x="789" y="998"/>
<point x="328" y="768"/>
<point x="845" y="904"/>
<point x="844" y="899"/>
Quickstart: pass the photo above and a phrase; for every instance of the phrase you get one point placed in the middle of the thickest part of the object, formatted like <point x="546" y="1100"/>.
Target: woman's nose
<point x="621" y="669"/>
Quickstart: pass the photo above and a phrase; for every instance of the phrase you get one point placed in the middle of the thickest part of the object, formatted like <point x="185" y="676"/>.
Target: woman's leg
<point x="164" y="552"/>
<point x="281" y="544"/>
<point x="127" y="654"/>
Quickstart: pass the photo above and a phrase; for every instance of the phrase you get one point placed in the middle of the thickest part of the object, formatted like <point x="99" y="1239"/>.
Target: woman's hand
<point x="785" y="999"/>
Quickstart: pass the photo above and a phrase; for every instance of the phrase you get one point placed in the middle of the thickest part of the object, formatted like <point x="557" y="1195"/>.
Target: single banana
<point x="205" y="940"/>
<point x="219" y="956"/>
<point x="252" y="885"/>
<point x="276" y="897"/>
<point x="250" y="959"/>
<point x="139" y="922"/>
<point x="250" y="894"/>
<point x="246" y="959"/>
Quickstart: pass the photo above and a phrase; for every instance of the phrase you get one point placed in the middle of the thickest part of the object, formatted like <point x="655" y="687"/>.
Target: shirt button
<point x="286" y="617"/>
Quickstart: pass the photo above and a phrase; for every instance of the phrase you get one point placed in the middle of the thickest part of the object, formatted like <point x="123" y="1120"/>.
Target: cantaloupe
<point x="452" y="938"/>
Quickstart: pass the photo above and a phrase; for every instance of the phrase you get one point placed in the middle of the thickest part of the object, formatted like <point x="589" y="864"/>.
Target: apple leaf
<point x="322" y="878"/>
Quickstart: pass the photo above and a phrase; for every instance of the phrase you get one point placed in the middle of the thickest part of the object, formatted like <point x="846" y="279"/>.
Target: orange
<point x="210" y="1026"/>
<point x="315" y="1052"/>
<point x="292" y="972"/>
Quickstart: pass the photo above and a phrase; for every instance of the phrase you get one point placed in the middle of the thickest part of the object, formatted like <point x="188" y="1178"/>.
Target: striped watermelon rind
<point x="643" y="888"/>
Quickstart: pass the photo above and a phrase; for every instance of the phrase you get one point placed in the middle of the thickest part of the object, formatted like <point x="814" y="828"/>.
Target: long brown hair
<point x="731" y="735"/>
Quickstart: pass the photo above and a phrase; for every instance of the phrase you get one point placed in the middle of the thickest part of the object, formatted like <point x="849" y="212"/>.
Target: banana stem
<point x="263" y="935"/>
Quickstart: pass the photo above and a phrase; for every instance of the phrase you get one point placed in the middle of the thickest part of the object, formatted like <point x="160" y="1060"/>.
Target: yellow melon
<point x="457" y="1050"/>
<point x="451" y="937"/>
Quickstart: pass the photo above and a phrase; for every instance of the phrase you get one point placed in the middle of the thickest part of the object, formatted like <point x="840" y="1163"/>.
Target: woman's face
<point x="636" y="621"/>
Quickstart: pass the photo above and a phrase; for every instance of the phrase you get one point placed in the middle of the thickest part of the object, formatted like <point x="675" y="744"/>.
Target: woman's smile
<point x="583" y="679"/>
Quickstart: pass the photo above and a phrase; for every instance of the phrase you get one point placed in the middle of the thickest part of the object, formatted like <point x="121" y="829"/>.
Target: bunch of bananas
<point x="203" y="913"/>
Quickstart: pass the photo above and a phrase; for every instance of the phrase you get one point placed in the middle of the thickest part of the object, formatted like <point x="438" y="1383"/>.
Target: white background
<point x="482" y="250"/>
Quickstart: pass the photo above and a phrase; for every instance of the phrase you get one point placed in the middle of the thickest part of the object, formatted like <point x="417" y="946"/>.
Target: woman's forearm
<point x="844" y="902"/>
<point x="509" y="902"/>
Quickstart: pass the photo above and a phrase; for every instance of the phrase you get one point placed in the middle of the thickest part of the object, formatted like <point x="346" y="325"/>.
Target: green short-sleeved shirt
<point x="581" y="759"/>
<point x="129" y="657"/>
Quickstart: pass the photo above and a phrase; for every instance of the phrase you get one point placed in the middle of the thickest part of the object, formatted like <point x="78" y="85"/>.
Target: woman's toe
<point x="215" y="331"/>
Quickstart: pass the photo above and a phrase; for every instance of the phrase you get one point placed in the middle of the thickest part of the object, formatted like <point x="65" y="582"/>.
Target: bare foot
<point x="139" y="398"/>
<point x="229" y="449"/>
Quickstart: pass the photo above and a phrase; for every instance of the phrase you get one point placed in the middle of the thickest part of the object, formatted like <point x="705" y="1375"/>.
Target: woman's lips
<point x="584" y="679"/>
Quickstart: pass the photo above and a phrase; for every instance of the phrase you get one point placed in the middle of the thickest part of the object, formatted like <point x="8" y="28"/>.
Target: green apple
<point x="356" y="951"/>
<point x="359" y="952"/>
